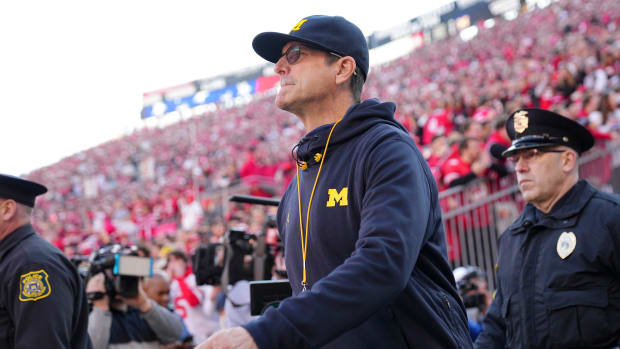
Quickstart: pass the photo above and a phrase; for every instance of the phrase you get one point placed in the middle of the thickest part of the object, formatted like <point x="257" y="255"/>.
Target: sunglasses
<point x="293" y="54"/>
<point x="529" y="154"/>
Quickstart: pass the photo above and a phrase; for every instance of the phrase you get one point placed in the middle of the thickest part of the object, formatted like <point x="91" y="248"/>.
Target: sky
<point x="72" y="73"/>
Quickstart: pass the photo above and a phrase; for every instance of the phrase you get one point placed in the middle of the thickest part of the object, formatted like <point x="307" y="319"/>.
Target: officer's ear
<point x="570" y="161"/>
<point x="8" y="209"/>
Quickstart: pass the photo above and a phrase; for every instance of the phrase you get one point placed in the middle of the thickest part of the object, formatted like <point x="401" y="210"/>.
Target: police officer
<point x="559" y="262"/>
<point x="42" y="298"/>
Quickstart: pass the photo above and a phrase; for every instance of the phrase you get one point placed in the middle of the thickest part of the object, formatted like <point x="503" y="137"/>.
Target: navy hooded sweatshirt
<point x="377" y="268"/>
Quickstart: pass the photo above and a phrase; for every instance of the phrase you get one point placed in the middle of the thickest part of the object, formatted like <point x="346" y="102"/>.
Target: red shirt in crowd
<point x="439" y="123"/>
<point x="454" y="168"/>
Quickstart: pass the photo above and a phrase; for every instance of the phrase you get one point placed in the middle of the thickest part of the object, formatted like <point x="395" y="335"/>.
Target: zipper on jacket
<point x="445" y="298"/>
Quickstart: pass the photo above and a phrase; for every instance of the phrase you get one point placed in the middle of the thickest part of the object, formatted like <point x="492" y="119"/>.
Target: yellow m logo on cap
<point x="298" y="25"/>
<point x="341" y="197"/>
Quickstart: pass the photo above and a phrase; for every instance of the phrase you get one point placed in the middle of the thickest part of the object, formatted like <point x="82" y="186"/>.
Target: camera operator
<point x="258" y="245"/>
<point x="237" y="305"/>
<point x="127" y="322"/>
<point x="246" y="253"/>
<point x="474" y="291"/>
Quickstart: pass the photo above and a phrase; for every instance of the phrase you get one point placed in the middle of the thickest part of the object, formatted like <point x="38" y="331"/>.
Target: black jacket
<point x="546" y="301"/>
<point x="377" y="266"/>
<point x="42" y="297"/>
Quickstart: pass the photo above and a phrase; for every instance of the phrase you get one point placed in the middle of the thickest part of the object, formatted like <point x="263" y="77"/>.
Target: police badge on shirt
<point x="566" y="244"/>
<point x="34" y="285"/>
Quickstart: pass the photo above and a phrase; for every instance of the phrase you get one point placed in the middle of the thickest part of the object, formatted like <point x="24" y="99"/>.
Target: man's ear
<point x="346" y="68"/>
<point x="570" y="161"/>
<point x="8" y="210"/>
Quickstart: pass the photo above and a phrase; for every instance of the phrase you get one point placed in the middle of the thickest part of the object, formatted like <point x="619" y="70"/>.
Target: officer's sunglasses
<point x="293" y="54"/>
<point x="529" y="154"/>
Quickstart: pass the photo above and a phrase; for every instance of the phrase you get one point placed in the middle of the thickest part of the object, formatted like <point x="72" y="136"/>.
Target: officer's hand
<point x="142" y="302"/>
<point x="232" y="338"/>
<point x="97" y="284"/>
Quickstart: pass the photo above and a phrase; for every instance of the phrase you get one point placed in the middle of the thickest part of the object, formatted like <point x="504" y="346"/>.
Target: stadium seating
<point x="565" y="57"/>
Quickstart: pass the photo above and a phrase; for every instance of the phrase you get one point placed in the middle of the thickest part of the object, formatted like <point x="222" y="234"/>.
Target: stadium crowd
<point x="166" y="188"/>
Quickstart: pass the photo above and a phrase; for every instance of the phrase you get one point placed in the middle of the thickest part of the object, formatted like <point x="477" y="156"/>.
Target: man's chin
<point x="282" y="103"/>
<point x="527" y="193"/>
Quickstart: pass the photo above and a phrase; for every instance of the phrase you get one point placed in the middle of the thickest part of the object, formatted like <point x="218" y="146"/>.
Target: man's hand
<point x="97" y="284"/>
<point x="233" y="338"/>
<point x="142" y="302"/>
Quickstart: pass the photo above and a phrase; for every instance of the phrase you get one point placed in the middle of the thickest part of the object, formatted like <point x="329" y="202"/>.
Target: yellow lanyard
<point x="304" y="236"/>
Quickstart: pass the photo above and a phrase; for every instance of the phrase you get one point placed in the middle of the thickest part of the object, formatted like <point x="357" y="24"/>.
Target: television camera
<point x="244" y="256"/>
<point x="122" y="268"/>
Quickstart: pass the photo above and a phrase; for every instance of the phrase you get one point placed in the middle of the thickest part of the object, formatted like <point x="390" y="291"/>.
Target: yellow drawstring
<point x="304" y="237"/>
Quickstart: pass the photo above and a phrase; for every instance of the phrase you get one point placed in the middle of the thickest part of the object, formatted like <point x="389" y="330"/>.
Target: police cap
<point x="535" y="128"/>
<point x="20" y="190"/>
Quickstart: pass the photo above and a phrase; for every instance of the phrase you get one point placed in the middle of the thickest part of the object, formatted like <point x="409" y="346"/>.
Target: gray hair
<point x="356" y="83"/>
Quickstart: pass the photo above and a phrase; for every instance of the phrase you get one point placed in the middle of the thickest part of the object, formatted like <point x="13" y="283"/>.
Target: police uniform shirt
<point x="559" y="276"/>
<point x="42" y="297"/>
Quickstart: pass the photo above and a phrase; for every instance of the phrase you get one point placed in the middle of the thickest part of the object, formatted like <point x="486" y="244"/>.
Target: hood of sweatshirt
<point x="358" y="118"/>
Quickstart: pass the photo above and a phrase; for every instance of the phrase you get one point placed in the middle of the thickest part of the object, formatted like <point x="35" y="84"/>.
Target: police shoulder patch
<point x="34" y="285"/>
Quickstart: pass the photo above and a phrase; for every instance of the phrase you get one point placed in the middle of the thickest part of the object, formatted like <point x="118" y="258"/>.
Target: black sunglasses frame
<point x="293" y="54"/>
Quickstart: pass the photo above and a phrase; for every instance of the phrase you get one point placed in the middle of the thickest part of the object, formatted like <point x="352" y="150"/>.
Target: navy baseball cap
<point x="330" y="33"/>
<point x="20" y="190"/>
<point x="535" y="128"/>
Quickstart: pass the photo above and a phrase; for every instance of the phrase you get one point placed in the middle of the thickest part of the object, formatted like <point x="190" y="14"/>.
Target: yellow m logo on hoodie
<point x="341" y="197"/>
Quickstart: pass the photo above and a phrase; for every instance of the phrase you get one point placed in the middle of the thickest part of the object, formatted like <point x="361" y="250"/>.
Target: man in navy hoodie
<point x="361" y="225"/>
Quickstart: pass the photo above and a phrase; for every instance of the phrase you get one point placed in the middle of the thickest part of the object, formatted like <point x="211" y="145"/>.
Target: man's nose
<point x="521" y="165"/>
<point x="281" y="67"/>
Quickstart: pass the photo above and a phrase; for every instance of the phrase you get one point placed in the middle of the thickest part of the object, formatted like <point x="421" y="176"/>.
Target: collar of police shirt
<point x="11" y="240"/>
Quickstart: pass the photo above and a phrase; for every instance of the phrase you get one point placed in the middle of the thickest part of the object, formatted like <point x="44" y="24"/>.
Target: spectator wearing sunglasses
<point x="360" y="222"/>
<point x="559" y="262"/>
